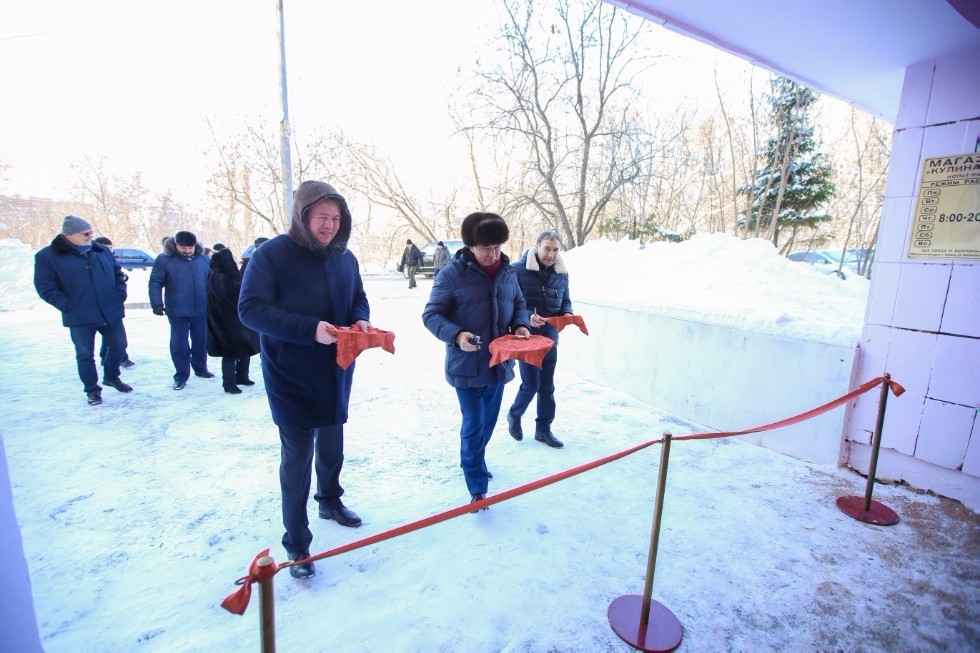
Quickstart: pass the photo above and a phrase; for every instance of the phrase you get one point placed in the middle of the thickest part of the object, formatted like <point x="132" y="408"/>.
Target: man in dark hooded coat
<point x="296" y="287"/>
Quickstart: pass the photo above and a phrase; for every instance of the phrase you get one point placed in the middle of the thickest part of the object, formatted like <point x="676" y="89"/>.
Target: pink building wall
<point x="922" y="323"/>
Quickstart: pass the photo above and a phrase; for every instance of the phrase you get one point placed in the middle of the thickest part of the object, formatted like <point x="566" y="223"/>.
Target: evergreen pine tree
<point x="795" y="182"/>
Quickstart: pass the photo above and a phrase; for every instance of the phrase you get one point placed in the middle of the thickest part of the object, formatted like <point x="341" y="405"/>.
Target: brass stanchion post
<point x="267" y="607"/>
<point x="630" y="615"/>
<point x="868" y="511"/>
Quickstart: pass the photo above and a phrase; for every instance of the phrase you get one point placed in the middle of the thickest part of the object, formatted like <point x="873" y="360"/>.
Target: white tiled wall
<point x="922" y="324"/>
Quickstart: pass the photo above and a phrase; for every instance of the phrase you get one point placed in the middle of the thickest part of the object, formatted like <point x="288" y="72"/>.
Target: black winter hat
<point x="185" y="239"/>
<point x="484" y="229"/>
<point x="218" y="247"/>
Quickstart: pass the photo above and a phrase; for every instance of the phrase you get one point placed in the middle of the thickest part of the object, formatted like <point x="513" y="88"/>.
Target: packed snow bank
<point x="722" y="331"/>
<point x="722" y="280"/>
<point x="17" y="277"/>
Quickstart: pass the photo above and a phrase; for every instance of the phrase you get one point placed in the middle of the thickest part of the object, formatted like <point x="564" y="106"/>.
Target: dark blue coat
<point x="464" y="298"/>
<point x="182" y="282"/>
<point x="545" y="290"/>
<point x="89" y="289"/>
<point x="287" y="291"/>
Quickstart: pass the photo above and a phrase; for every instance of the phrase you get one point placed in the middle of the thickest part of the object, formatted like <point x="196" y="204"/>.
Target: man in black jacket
<point x="411" y="260"/>
<point x="83" y="280"/>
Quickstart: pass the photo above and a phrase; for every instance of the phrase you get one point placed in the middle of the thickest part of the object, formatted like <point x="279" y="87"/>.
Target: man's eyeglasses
<point x="87" y="233"/>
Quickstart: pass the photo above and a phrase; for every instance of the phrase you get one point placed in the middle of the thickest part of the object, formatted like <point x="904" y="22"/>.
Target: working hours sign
<point x="947" y="215"/>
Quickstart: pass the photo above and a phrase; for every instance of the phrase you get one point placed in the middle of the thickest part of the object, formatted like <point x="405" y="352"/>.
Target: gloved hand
<point x="158" y="310"/>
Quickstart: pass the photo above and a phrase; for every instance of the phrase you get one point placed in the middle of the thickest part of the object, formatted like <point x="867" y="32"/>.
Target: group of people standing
<point x="80" y="277"/>
<point x="296" y="290"/>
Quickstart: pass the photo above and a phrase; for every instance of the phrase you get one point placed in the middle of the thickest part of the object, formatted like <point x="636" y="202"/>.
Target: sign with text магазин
<point x="947" y="214"/>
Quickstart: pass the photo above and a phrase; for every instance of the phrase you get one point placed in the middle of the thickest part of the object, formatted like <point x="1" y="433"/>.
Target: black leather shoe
<point x="478" y="497"/>
<point x="514" y="427"/>
<point x="118" y="384"/>
<point x="342" y="515"/>
<point x="233" y="390"/>
<point x="246" y="382"/>
<point x="128" y="363"/>
<point x="303" y="571"/>
<point x="94" y="398"/>
<point x="205" y="374"/>
<point x="548" y="439"/>
<point x="180" y="385"/>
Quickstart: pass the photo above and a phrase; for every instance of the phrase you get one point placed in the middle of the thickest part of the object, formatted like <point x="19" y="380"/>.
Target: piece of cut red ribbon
<point x="562" y="321"/>
<point x="352" y="341"/>
<point x="238" y="601"/>
<point x="531" y="350"/>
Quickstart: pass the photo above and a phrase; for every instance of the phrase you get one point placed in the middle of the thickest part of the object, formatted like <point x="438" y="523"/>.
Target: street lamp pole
<point x="285" y="127"/>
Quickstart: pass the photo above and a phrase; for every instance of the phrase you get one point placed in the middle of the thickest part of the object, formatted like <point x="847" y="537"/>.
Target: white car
<point x="827" y="261"/>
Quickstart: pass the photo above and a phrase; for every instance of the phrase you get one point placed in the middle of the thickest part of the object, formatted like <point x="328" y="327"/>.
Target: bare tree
<point x="559" y="95"/>
<point x="248" y="175"/>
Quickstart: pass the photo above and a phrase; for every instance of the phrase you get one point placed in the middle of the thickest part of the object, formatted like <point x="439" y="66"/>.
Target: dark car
<point x="428" y="256"/>
<point x="131" y="259"/>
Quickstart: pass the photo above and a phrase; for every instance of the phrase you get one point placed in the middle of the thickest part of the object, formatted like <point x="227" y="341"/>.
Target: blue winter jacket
<point x="288" y="289"/>
<point x="464" y="298"/>
<point x="182" y="282"/>
<point x="545" y="290"/>
<point x="89" y="289"/>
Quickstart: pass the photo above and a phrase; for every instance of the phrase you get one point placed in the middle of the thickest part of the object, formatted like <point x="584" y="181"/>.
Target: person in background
<point x="228" y="338"/>
<point x="544" y="283"/>
<point x="440" y="259"/>
<point x="247" y="254"/>
<point x="475" y="299"/>
<point x="411" y="259"/>
<point x="297" y="287"/>
<point x="83" y="280"/>
<point x="102" y="240"/>
<point x="179" y="290"/>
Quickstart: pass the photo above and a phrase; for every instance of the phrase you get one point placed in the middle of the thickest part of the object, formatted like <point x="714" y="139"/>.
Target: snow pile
<point x="721" y="280"/>
<point x="17" y="276"/>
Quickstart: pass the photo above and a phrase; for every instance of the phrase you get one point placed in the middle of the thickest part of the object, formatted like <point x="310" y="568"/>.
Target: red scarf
<point x="491" y="269"/>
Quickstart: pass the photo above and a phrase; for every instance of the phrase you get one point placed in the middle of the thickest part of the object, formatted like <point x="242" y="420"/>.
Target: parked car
<point x="428" y="256"/>
<point x="827" y="261"/>
<point x="131" y="259"/>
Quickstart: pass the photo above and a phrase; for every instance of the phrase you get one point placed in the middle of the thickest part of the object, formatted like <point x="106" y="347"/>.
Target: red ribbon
<point x="352" y="341"/>
<point x="562" y="321"/>
<point x="238" y="601"/>
<point x="530" y="350"/>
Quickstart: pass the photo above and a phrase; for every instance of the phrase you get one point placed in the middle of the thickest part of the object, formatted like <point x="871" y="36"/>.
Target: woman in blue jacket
<point x="474" y="300"/>
<point x="544" y="283"/>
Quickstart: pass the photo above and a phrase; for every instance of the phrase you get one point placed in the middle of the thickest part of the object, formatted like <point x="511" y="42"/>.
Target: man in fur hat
<point x="179" y="290"/>
<point x="83" y="280"/>
<point x="297" y="287"/>
<point x="475" y="299"/>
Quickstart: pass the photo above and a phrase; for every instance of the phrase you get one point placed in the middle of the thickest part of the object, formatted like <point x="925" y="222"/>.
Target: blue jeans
<point x="295" y="477"/>
<point x="184" y="356"/>
<point x="480" y="408"/>
<point x="540" y="382"/>
<point x="84" y="340"/>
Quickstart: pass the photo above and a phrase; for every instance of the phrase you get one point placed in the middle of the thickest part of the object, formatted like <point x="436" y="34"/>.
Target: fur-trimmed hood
<point x="308" y="194"/>
<point x="532" y="262"/>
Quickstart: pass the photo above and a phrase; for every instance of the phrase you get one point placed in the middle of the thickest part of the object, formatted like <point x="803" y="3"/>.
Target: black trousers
<point x="303" y="449"/>
<point x="234" y="370"/>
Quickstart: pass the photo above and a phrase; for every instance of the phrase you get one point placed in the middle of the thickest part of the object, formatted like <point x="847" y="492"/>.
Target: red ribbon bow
<point x="237" y="601"/>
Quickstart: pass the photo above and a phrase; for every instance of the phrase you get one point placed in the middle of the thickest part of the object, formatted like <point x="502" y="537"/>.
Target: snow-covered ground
<point x="137" y="515"/>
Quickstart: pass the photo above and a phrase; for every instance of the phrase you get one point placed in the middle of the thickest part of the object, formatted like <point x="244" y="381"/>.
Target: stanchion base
<point x="879" y="514"/>
<point x="662" y="633"/>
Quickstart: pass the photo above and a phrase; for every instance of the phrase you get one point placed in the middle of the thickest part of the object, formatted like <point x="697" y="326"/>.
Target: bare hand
<point x="363" y="325"/>
<point x="522" y="332"/>
<point x="323" y="336"/>
<point x="536" y="320"/>
<point x="468" y="341"/>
